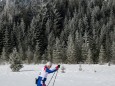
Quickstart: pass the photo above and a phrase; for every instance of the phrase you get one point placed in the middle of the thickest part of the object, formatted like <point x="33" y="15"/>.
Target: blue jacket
<point x="43" y="75"/>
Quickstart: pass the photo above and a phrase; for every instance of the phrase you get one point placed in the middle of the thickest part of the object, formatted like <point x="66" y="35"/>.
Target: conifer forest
<point x="61" y="31"/>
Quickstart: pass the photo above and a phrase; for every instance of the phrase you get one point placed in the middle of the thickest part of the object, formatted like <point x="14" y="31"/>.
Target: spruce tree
<point x="113" y="46"/>
<point x="32" y="32"/>
<point x="89" y="57"/>
<point x="63" y="52"/>
<point x="113" y="52"/>
<point x="85" y="47"/>
<point x="108" y="43"/>
<point x="57" y="51"/>
<point x="1" y="42"/>
<point x="22" y="53"/>
<point x="78" y="46"/>
<point x="102" y="55"/>
<point x="15" y="61"/>
<point x="37" y="55"/>
<point x="29" y="55"/>
<point x="54" y="18"/>
<point x="4" y="55"/>
<point x="51" y="41"/>
<point x="71" y="50"/>
<point x="65" y="33"/>
<point x="7" y="42"/>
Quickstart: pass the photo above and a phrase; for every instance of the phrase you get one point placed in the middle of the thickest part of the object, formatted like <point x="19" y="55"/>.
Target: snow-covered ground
<point x="91" y="75"/>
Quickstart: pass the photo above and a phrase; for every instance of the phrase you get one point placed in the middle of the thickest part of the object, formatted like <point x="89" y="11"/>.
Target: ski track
<point x="104" y="76"/>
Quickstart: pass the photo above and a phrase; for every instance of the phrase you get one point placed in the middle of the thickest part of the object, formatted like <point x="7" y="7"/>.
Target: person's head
<point x="49" y="65"/>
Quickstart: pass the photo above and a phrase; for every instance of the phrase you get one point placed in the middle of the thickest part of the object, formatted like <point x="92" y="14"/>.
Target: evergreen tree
<point x="63" y="52"/>
<point x="71" y="51"/>
<point x="108" y="43"/>
<point x="48" y="27"/>
<point x="37" y="54"/>
<point x="89" y="57"/>
<point x="85" y="47"/>
<point x="32" y="32"/>
<point x="22" y="53"/>
<point x="15" y="61"/>
<point x="4" y="55"/>
<point x="30" y="55"/>
<point x="54" y="18"/>
<point x="102" y="55"/>
<point x="78" y="45"/>
<point x="51" y="41"/>
<point x="7" y="42"/>
<point x="65" y="33"/>
<point x="57" y="55"/>
<point x="113" y="52"/>
<point x="1" y="42"/>
<point x="81" y="26"/>
<point x="86" y="26"/>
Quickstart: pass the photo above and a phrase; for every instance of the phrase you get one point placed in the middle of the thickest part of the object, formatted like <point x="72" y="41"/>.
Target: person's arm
<point x="51" y="71"/>
<point x="54" y="70"/>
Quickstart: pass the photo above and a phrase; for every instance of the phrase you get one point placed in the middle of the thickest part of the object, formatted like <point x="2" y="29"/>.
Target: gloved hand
<point x="43" y="84"/>
<point x="57" y="67"/>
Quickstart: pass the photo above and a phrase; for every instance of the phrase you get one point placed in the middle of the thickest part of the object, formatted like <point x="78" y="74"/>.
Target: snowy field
<point x="91" y="75"/>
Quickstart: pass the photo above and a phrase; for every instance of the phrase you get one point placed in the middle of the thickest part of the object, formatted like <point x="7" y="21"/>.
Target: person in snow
<point x="44" y="73"/>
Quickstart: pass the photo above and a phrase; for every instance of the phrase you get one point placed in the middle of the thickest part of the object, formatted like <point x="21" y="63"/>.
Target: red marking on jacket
<point x="45" y="68"/>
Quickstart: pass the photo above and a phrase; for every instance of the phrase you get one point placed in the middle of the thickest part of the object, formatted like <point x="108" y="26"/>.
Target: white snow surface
<point x="91" y="75"/>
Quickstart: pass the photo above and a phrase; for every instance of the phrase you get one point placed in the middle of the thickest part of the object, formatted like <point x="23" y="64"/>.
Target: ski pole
<point x="55" y="78"/>
<point x="51" y="79"/>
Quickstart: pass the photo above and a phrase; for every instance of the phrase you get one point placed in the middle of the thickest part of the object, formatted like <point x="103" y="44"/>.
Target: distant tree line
<point x="61" y="31"/>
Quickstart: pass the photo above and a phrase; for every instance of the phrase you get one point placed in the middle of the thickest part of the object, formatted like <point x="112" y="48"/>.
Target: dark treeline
<point x="67" y="31"/>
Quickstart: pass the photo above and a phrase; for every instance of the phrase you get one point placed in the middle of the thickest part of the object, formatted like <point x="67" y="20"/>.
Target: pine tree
<point x="51" y="41"/>
<point x="6" y="6"/>
<point x="15" y="61"/>
<point x="44" y="57"/>
<point x="32" y="32"/>
<point x="85" y="20"/>
<point x="21" y="34"/>
<point x="89" y="57"/>
<point x="48" y="27"/>
<point x="85" y="47"/>
<point x="4" y="55"/>
<point x="113" y="52"/>
<point x="65" y="33"/>
<point x="113" y="46"/>
<point x="71" y="51"/>
<point x="57" y="51"/>
<point x="63" y="52"/>
<point x="22" y="53"/>
<point x="1" y="42"/>
<point x="78" y="45"/>
<point x="102" y="55"/>
<point x="37" y="55"/>
<point x="7" y="42"/>
<point x="108" y="43"/>
<point x="49" y="53"/>
<point x="35" y="6"/>
<point x="72" y="26"/>
<point x="54" y="18"/>
<point x="40" y="32"/>
<point x="13" y="40"/>
<point x="29" y="55"/>
<point x="81" y="26"/>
